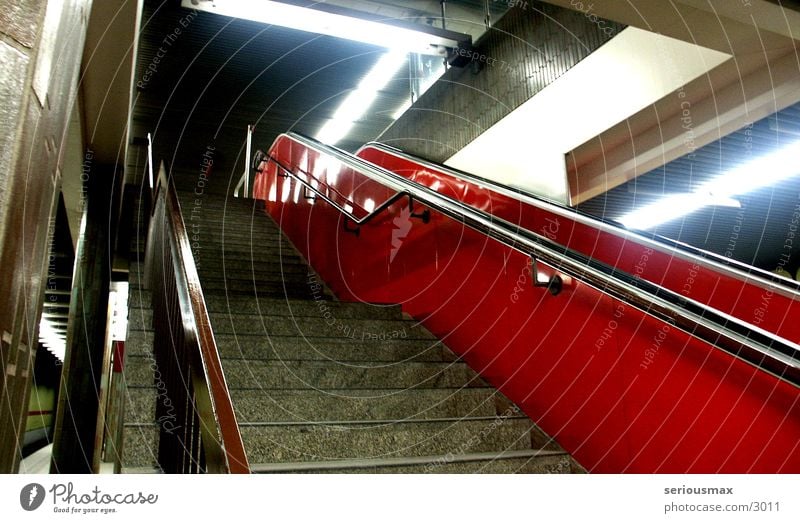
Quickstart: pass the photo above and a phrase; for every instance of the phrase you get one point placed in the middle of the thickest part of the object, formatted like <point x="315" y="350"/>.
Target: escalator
<point x="623" y="353"/>
<point x="636" y="355"/>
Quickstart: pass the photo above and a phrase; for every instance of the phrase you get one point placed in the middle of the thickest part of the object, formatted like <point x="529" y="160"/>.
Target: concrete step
<point x="221" y="230"/>
<point x="207" y="200"/>
<point x="257" y="406"/>
<point x="303" y="374"/>
<point x="139" y="343"/>
<point x="269" y="271"/>
<point x="289" y="281"/>
<point x="247" y="259"/>
<point x="233" y="217"/>
<point x="316" y="374"/>
<point x="281" y="443"/>
<point x="140" y="320"/>
<point x="139" y="297"/>
<point x="312" y="327"/>
<point x="509" y="462"/>
<point x="320" y="385"/>
<point x="246" y="241"/>
<point x="281" y="348"/>
<point x="293" y="308"/>
<point x="257" y="271"/>
<point x="139" y="447"/>
<point x="331" y="311"/>
<point x="266" y="290"/>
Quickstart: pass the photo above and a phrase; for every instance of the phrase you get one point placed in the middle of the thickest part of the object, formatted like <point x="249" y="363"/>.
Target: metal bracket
<point x="554" y="284"/>
<point x="425" y="215"/>
<point x="355" y="230"/>
<point x="309" y="196"/>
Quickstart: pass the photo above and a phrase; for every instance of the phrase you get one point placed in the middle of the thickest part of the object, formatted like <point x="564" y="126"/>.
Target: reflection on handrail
<point x="244" y="181"/>
<point x="349" y="216"/>
<point x="731" y="267"/>
<point x="747" y="342"/>
<point x="198" y="431"/>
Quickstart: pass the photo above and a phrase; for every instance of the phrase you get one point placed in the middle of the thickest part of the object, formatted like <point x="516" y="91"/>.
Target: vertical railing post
<point x="197" y="426"/>
<point x="247" y="160"/>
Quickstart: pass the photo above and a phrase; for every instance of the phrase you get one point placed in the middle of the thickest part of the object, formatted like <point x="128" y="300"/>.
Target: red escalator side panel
<point x="746" y="300"/>
<point x="607" y="381"/>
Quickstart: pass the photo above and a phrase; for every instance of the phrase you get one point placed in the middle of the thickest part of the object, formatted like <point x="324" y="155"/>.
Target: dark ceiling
<point x="219" y="74"/>
<point x="760" y="232"/>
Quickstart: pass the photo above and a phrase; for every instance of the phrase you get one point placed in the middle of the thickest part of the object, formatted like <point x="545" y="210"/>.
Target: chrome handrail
<point x="758" y="347"/>
<point x="733" y="268"/>
<point x="349" y="216"/>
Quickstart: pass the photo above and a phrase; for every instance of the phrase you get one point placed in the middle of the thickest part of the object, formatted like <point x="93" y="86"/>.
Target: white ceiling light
<point x="328" y="23"/>
<point x="361" y="98"/>
<point x="761" y="172"/>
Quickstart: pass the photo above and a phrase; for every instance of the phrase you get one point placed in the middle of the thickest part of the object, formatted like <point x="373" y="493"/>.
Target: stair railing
<point x="758" y="347"/>
<point x="198" y="431"/>
<point x="729" y="266"/>
<point x="349" y="215"/>
<point x="244" y="181"/>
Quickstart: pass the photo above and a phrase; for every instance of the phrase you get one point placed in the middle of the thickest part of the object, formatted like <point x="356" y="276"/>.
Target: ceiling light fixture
<point x="361" y="98"/>
<point x="756" y="174"/>
<point x="329" y="20"/>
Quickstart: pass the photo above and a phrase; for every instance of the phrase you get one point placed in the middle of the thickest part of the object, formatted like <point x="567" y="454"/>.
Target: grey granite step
<point x="247" y="259"/>
<point x="291" y="308"/>
<point x="319" y="385"/>
<point x="140" y="320"/>
<point x="320" y="374"/>
<point x="256" y="243"/>
<point x="139" y="447"/>
<point x="280" y="348"/>
<point x="335" y="405"/>
<point x="317" y="442"/>
<point x="255" y="270"/>
<point x="289" y="281"/>
<point x="139" y="343"/>
<point x="511" y="462"/>
<point x="353" y="328"/>
<point x="139" y="297"/>
<point x="264" y="289"/>
<point x="256" y="347"/>
<point x="250" y="262"/>
<point x="241" y="230"/>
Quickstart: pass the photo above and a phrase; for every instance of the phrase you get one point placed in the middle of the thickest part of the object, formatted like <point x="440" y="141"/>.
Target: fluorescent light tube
<point x="756" y="174"/>
<point x="328" y="23"/>
<point x="361" y="98"/>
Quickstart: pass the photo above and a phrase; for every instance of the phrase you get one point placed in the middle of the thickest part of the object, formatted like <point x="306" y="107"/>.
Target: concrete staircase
<point x="320" y="385"/>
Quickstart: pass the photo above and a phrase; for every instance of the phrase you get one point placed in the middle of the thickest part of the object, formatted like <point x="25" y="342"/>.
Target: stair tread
<point x="336" y="464"/>
<point x="320" y="385"/>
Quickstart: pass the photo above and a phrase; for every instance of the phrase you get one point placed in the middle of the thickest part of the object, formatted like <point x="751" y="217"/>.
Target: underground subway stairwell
<point x="317" y="384"/>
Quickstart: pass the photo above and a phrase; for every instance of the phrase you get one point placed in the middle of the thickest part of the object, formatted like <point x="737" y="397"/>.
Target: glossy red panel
<point x="607" y="381"/>
<point x="752" y="302"/>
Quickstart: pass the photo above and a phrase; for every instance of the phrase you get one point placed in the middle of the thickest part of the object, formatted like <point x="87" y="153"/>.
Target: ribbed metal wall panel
<point x="757" y="233"/>
<point x="532" y="45"/>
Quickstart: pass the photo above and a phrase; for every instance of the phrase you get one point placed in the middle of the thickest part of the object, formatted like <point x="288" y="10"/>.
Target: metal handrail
<point x="756" y="346"/>
<point x="245" y="179"/>
<point x="349" y="216"/>
<point x="733" y="268"/>
<point x="198" y="427"/>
